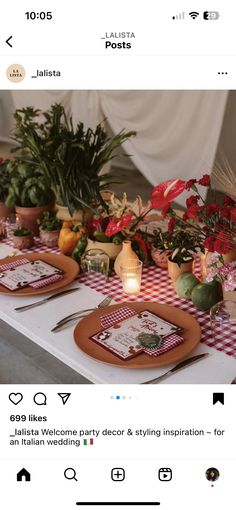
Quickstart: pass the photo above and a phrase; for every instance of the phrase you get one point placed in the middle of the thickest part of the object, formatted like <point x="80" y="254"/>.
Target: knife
<point x="45" y="300"/>
<point x="178" y="367"/>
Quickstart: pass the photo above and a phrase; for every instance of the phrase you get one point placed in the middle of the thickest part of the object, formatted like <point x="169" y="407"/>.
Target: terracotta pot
<point x="111" y="249"/>
<point x="64" y="215"/>
<point x="28" y="216"/>
<point x="229" y="295"/>
<point x="160" y="258"/>
<point x="5" y="211"/>
<point x="49" y="238"/>
<point x="126" y="253"/>
<point x="23" y="242"/>
<point x="175" y="270"/>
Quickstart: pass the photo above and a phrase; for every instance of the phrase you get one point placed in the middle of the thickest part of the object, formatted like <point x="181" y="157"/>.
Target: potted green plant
<point x="181" y="245"/>
<point x="49" y="229"/>
<point x="71" y="158"/>
<point x="22" y="238"/>
<point x="28" y="192"/>
<point x="4" y="188"/>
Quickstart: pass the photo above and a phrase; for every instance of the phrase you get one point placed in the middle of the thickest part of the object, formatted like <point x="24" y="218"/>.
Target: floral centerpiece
<point x="121" y="222"/>
<point x="213" y="224"/>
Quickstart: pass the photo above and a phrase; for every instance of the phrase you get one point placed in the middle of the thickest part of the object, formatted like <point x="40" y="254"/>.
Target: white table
<point x="37" y="323"/>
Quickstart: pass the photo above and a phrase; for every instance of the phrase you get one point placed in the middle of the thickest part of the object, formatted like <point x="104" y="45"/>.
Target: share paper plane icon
<point x="64" y="397"/>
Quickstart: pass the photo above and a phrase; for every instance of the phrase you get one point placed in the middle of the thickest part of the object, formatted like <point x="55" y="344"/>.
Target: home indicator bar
<point x="121" y="503"/>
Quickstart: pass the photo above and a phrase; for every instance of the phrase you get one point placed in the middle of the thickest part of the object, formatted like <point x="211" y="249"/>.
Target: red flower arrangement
<point x="218" y="233"/>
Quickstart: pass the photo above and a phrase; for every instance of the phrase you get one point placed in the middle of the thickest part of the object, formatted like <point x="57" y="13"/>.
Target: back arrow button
<point x="7" y="41"/>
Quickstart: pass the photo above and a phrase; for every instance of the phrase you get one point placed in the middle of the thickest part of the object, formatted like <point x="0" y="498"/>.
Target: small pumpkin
<point x="185" y="284"/>
<point x="70" y="234"/>
<point x="205" y="295"/>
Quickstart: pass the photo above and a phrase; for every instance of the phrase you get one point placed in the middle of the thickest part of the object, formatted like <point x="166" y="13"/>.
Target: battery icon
<point x="211" y="15"/>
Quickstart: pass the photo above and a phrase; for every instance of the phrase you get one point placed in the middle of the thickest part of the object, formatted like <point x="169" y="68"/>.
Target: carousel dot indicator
<point x="117" y="397"/>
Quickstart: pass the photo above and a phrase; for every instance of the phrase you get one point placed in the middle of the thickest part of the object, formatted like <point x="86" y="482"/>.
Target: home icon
<point x="23" y="475"/>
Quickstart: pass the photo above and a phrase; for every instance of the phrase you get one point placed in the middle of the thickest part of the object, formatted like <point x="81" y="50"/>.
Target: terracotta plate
<point x="91" y="325"/>
<point x="68" y="265"/>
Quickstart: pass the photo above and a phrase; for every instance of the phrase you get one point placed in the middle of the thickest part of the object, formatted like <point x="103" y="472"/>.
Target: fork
<point x="105" y="302"/>
<point x="76" y="315"/>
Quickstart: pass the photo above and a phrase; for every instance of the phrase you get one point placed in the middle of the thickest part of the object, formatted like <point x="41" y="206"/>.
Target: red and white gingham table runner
<point x="156" y="286"/>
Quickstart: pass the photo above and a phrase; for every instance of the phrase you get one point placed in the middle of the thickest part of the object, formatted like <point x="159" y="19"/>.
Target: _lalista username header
<point x="115" y="44"/>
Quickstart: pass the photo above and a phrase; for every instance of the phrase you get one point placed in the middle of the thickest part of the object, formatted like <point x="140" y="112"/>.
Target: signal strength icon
<point x="194" y="14"/>
<point x="181" y="15"/>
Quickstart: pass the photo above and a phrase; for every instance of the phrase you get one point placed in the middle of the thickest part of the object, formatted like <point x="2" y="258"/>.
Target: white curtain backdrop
<point x="177" y="131"/>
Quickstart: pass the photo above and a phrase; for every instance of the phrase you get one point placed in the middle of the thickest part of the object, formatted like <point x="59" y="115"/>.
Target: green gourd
<point x="205" y="295"/>
<point x="185" y="284"/>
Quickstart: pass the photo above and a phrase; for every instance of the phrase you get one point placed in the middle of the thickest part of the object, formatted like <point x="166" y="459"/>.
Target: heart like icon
<point x="15" y="398"/>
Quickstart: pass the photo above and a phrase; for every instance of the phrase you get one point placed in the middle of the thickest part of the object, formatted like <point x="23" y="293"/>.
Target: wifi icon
<point x="194" y="14"/>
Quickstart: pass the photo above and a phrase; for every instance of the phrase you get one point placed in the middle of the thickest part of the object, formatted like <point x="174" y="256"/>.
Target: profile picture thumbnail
<point x="212" y="474"/>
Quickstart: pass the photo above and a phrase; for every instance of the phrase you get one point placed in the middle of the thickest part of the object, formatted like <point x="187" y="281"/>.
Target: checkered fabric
<point x="11" y="265"/>
<point x="168" y="343"/>
<point x="157" y="286"/>
<point x="119" y="315"/>
<point x="46" y="281"/>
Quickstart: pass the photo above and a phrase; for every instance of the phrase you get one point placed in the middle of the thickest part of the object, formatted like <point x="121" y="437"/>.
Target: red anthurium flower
<point x="165" y="211"/>
<point x="117" y="224"/>
<point x="166" y="192"/>
<point x="2" y="160"/>
<point x="205" y="180"/>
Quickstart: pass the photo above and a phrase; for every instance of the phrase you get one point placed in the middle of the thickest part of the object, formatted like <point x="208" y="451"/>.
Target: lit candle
<point x="131" y="285"/>
<point x="131" y="274"/>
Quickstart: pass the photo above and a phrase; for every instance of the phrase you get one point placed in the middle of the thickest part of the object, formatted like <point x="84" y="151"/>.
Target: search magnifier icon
<point x="70" y="474"/>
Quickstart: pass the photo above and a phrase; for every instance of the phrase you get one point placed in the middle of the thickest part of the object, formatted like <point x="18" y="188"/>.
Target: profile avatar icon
<point x="212" y="474"/>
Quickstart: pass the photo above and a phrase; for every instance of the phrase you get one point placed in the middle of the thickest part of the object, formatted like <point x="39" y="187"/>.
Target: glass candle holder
<point x="131" y="275"/>
<point x="12" y="222"/>
<point x="223" y="320"/>
<point x="95" y="261"/>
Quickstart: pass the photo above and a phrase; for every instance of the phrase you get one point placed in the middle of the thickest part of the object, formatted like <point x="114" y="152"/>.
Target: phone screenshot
<point x="117" y="255"/>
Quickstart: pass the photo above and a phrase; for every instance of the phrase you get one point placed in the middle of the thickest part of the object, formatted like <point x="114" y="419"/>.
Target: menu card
<point x="22" y="276"/>
<point x="122" y="338"/>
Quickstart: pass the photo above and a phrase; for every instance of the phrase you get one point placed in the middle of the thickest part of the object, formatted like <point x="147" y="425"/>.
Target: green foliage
<point x="28" y="185"/>
<point x="181" y="243"/>
<point x="50" y="222"/>
<point x="71" y="158"/>
<point x="21" y="232"/>
<point x="4" y="180"/>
